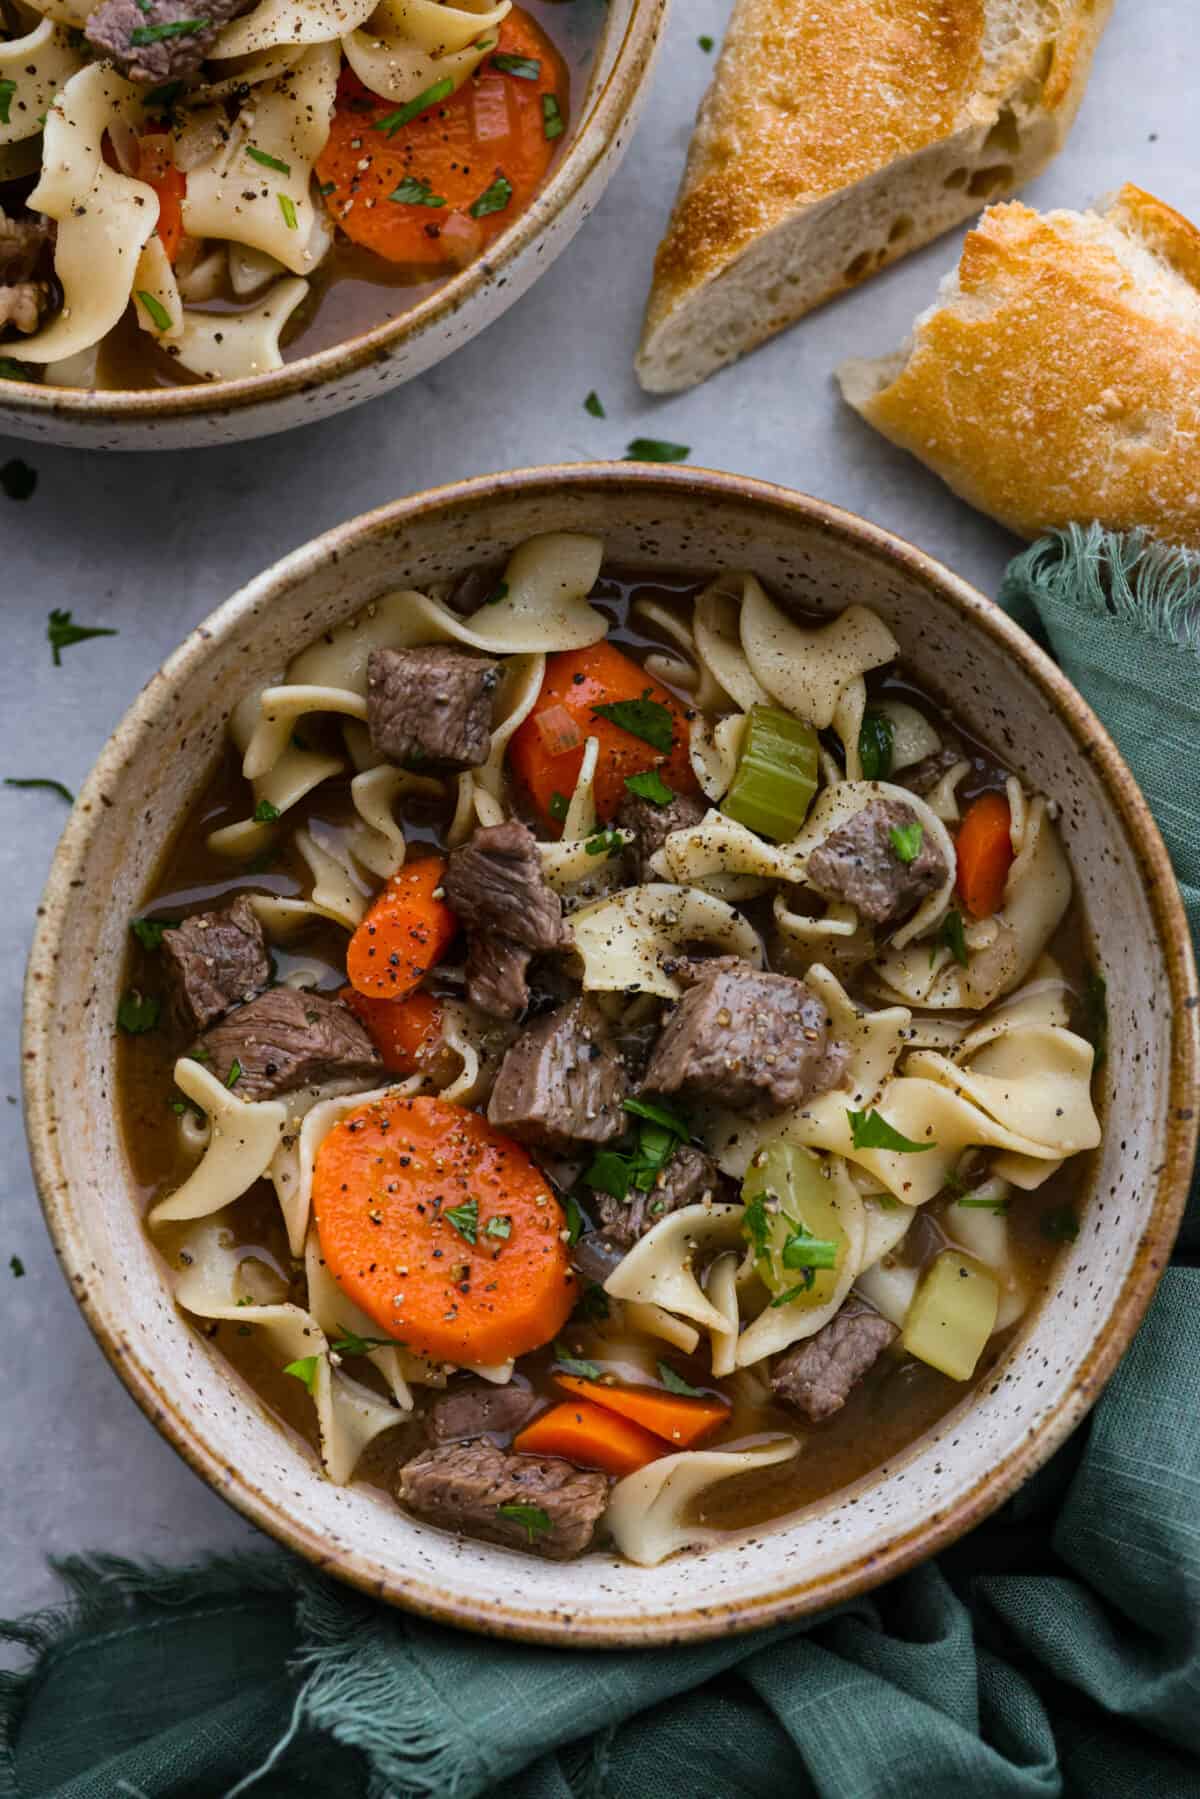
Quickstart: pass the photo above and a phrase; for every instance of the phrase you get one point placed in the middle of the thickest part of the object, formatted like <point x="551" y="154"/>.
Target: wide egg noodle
<point x="807" y="668"/>
<point x="659" y="1271"/>
<point x="282" y="708"/>
<point x="276" y="23"/>
<point x="779" y="1326"/>
<point x="408" y="46"/>
<point x="295" y="773"/>
<point x="650" y="1514"/>
<point x="244" y="1135"/>
<point x="339" y="1317"/>
<point x="104" y="218"/>
<point x="652" y="1321"/>
<point x="715" y="621"/>
<point x="38" y="65"/>
<point x="627" y="940"/>
<point x="238" y="198"/>
<point x="155" y="277"/>
<point x="722" y="1293"/>
<point x="714" y="750"/>
<point x="686" y="670"/>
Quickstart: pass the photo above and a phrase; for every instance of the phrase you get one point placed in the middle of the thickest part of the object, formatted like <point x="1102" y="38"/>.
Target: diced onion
<point x="559" y="732"/>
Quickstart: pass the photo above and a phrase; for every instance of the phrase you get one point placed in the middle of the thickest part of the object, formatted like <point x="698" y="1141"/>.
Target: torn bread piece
<point x="838" y="135"/>
<point x="1057" y="376"/>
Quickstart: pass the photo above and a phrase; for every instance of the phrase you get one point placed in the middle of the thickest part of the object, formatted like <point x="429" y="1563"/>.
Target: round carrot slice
<point x="442" y="1230"/>
<point x="406" y="1032"/>
<point x="407" y="930"/>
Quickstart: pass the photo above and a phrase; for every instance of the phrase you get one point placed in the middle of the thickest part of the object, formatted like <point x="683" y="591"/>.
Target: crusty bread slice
<point x="836" y="136"/>
<point x="1057" y="377"/>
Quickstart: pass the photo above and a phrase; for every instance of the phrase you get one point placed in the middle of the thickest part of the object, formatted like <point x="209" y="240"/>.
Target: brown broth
<point x="890" y="1409"/>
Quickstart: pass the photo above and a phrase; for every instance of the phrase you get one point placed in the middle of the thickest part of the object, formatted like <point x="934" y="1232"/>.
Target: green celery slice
<point x="776" y="775"/>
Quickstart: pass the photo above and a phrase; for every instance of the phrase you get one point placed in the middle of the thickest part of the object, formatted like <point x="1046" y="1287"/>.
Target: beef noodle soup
<point x="192" y="193"/>
<point x="608" y="1058"/>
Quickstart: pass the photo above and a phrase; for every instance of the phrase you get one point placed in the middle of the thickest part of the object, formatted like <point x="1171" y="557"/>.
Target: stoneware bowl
<point x="970" y="656"/>
<point x="331" y="380"/>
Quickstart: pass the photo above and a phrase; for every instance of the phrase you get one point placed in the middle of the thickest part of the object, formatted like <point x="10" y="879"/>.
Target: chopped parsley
<point x="16" y="1267"/>
<point x="1095" y="1006"/>
<point x="287" y="207"/>
<point x="572" y="1365"/>
<point x="660" y="1131"/>
<point x="675" y="1383"/>
<point x="164" y="96"/>
<point x="234" y="1075"/>
<point x="645" y="718"/>
<point x="802" y="1250"/>
<point x="870" y="1131"/>
<point x="62" y="632"/>
<point x="950" y="936"/>
<point x="553" y="124"/>
<point x="785" y="1299"/>
<point x="498" y="1225"/>
<point x="137" y="1012"/>
<point x="17" y="479"/>
<point x="36" y="781"/>
<point x="660" y="1115"/>
<point x="610" y="1172"/>
<point x="7" y="90"/>
<point x="1060" y="1225"/>
<point x="525" y="68"/>
<point x="464" y="1218"/>
<point x="656" y="449"/>
<point x="595" y="405"/>
<point x="973" y="1203"/>
<point x="12" y="371"/>
<point x="876" y="744"/>
<point x="706" y="43"/>
<point x="159" y="316"/>
<point x="756" y="1226"/>
<point x="560" y="805"/>
<point x="350" y="1343"/>
<point x="395" y="121"/>
<point x="268" y="162"/>
<point x="306" y="1370"/>
<point x="412" y="191"/>
<point x="906" y="840"/>
<point x="265" y="813"/>
<point x="532" y="1519"/>
<point x="605" y="843"/>
<point x="155" y="34"/>
<point x="593" y="1304"/>
<point x="493" y="199"/>
<point x="652" y="787"/>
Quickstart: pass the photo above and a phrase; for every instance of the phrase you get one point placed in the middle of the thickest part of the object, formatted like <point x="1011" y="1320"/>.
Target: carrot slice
<point x="985" y="854"/>
<point x="406" y="1032"/>
<point x="156" y="167"/>
<point x="442" y="1230"/>
<point x="590" y="1437"/>
<point x="681" y="1421"/>
<point x="406" y="932"/>
<point x="419" y="199"/>
<point x="575" y="683"/>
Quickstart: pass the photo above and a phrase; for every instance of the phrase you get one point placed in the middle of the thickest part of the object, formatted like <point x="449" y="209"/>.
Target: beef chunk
<point x="24" y="305"/>
<point x="816" y="1376"/>
<point x="122" y="31"/>
<point x="561" y="1082"/>
<point x="684" y="1181"/>
<point x="858" y="865"/>
<point x="468" y="1486"/>
<point x="651" y="825"/>
<point x="215" y="960"/>
<point x="496" y="886"/>
<point x="477" y="1407"/>
<point x="922" y="777"/>
<point x="746" y="1039"/>
<point x="25" y="242"/>
<point x="431" y="707"/>
<point x="288" y="1039"/>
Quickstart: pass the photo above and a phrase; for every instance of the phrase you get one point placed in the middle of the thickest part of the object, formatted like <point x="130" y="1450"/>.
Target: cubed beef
<point x="817" y="1375"/>
<point x="212" y="961"/>
<point x="562" y="1081"/>
<point x="477" y="1408"/>
<point x="287" y="1039"/>
<point x="743" y="1038"/>
<point x="24" y="304"/>
<point x="431" y="708"/>
<point x="25" y="241"/>
<point x="143" y="44"/>
<point x="686" y="1180"/>
<point x="651" y="825"/>
<point x="496" y="886"/>
<point x="922" y="777"/>
<point x="859" y="866"/>
<point x="485" y="1492"/>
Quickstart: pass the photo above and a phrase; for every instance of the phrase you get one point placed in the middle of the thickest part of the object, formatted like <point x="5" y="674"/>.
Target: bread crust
<point x="1061" y="381"/>
<point x="814" y="100"/>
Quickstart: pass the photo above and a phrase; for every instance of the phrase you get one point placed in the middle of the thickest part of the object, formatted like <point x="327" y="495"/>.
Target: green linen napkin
<point x="1056" y="1650"/>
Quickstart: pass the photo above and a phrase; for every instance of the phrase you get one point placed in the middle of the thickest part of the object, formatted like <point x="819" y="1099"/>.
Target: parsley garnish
<point x="492" y="199"/>
<point x="62" y="632"/>
<point x="615" y="1171"/>
<point x="7" y="90"/>
<point x="1095" y="1003"/>
<point x="675" y="1383"/>
<point x="593" y="1303"/>
<point x="498" y="593"/>
<point x="950" y="936"/>
<point x="650" y="787"/>
<point x="575" y="1220"/>
<point x="12" y="371"/>
<point x="656" y="449"/>
<point x="660" y="1115"/>
<point x="137" y="1012"/>
<point x="523" y="67"/>
<point x="610" y="1173"/>
<point x="306" y="1370"/>
<point x="572" y="1365"/>
<point x="705" y="42"/>
<point x="595" y="405"/>
<point x="154" y="34"/>
<point x="560" y="805"/>
<point x="784" y="1299"/>
<point x="350" y="1343"/>
<point x="645" y="718"/>
<point x="906" y="840"/>
<point x="876" y="740"/>
<point x="234" y="1075"/>
<point x="1060" y="1225"/>
<point x="498" y="1225"/>
<point x="970" y="1201"/>
<point x="534" y="1521"/>
<point x="287" y="207"/>
<point x="35" y="781"/>
<point x="164" y="96"/>
<point x="17" y="478"/>
<point x="553" y="124"/>
<point x="464" y="1218"/>
<point x="756" y="1226"/>
<point x="441" y="90"/>
<point x="605" y="843"/>
<point x="268" y="162"/>
<point x="801" y="1250"/>
<point x="265" y="813"/>
<point x="16" y="1267"/>
<point x="870" y="1131"/>
<point x="159" y="315"/>
<point x="412" y="191"/>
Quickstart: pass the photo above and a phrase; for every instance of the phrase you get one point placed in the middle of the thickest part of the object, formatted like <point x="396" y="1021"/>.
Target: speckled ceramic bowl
<point x="332" y="380"/>
<point x="965" y="651"/>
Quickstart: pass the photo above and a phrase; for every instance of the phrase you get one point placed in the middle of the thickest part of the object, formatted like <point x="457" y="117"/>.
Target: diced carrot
<point x="156" y="167"/>
<point x="591" y="1437"/>
<point x="406" y="1032"/>
<point x="679" y="1420"/>
<point x="442" y="1230"/>
<point x="985" y="854"/>
<point x="406" y="932"/>
<point x="576" y="682"/>
<point x="434" y="192"/>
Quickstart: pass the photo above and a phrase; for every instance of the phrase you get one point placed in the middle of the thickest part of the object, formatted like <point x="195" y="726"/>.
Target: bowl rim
<point x="1172" y="1169"/>
<point x="607" y="112"/>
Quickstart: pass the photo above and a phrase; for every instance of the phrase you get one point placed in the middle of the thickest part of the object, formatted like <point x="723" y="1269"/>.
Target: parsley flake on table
<point x="62" y="632"/>
<point x="57" y="787"/>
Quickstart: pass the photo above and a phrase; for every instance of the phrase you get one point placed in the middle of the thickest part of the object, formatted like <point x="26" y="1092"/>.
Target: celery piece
<point x="792" y="1223"/>
<point x="776" y="774"/>
<point x="953" y="1314"/>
